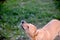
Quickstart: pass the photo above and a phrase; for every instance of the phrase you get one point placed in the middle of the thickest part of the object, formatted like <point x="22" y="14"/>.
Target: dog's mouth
<point x="22" y="27"/>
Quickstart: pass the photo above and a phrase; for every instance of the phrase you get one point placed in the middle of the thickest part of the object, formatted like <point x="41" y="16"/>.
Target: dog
<point x="47" y="32"/>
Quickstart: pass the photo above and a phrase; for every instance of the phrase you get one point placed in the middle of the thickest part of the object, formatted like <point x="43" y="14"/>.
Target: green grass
<point x="37" y="12"/>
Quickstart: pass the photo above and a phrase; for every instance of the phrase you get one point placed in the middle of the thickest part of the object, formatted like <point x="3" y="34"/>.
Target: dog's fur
<point x="48" y="32"/>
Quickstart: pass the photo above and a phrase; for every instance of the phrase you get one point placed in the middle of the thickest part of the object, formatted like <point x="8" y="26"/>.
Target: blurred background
<point x="37" y="12"/>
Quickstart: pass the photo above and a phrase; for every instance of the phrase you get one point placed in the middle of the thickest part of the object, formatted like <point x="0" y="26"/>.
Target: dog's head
<point x="30" y="29"/>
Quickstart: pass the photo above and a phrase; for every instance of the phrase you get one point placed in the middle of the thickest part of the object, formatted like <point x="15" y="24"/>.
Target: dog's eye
<point x="28" y="27"/>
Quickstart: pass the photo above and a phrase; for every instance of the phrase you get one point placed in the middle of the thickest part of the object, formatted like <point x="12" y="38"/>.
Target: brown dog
<point x="48" y="32"/>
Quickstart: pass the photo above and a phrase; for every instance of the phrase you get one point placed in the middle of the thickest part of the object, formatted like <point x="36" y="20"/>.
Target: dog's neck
<point x="33" y="36"/>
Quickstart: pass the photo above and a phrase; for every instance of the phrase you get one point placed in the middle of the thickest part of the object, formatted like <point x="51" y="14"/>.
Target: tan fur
<point x="48" y="32"/>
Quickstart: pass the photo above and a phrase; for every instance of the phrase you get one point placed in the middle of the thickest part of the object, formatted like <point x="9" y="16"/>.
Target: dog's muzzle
<point x="22" y="22"/>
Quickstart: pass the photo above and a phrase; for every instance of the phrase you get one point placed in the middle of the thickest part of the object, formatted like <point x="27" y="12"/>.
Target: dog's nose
<point x="22" y="21"/>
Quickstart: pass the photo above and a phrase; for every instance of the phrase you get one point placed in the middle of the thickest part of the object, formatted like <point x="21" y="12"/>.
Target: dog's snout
<point x="22" y="21"/>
